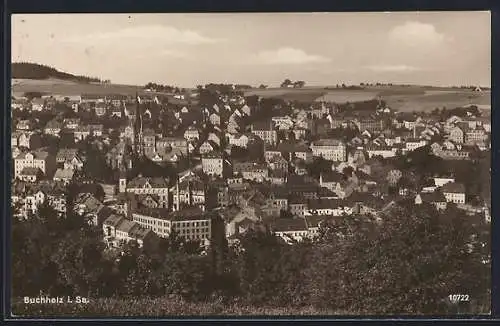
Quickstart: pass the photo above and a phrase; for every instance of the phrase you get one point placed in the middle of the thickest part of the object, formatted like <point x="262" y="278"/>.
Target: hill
<point x="27" y="70"/>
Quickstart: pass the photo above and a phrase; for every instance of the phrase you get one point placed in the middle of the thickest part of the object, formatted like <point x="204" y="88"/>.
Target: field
<point x="401" y="98"/>
<point x="68" y="88"/>
<point x="414" y="98"/>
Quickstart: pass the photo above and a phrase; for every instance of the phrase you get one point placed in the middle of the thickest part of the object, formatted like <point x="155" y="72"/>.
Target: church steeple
<point x="138" y="127"/>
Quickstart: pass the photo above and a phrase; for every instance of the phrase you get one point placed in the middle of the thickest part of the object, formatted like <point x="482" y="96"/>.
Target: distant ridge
<point x="28" y="70"/>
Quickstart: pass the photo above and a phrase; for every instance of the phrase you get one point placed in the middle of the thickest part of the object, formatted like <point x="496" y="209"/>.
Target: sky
<point x="429" y="48"/>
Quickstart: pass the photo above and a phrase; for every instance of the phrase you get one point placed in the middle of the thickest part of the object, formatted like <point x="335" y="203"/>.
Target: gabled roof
<point x="64" y="174"/>
<point x="332" y="176"/>
<point x="433" y="197"/>
<point x="113" y="220"/>
<point x="289" y="225"/>
<point x="453" y="187"/>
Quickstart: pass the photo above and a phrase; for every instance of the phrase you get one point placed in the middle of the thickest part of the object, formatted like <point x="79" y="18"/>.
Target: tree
<point x="287" y="82"/>
<point x="262" y="86"/>
<point x="412" y="260"/>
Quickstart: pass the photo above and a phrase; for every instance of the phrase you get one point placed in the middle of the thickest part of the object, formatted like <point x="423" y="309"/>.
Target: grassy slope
<point x="163" y="307"/>
<point x="63" y="87"/>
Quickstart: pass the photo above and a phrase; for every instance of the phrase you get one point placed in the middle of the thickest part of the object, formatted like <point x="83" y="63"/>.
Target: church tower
<point x="122" y="183"/>
<point x="138" y="128"/>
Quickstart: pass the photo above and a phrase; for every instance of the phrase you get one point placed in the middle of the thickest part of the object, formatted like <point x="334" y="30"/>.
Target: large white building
<point x="190" y="223"/>
<point x="330" y="149"/>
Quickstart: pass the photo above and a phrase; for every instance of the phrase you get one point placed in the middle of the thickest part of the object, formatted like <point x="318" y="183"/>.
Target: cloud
<point x="393" y="68"/>
<point x="416" y="34"/>
<point x="157" y="33"/>
<point x="288" y="56"/>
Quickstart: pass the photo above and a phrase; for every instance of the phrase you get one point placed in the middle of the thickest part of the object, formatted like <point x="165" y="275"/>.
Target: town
<point x="149" y="166"/>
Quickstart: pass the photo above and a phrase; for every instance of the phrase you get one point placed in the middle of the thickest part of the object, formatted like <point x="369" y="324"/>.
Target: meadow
<point x="400" y="98"/>
<point x="414" y="98"/>
<point x="69" y="88"/>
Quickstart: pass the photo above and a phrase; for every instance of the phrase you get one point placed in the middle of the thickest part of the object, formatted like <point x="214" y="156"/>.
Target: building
<point x="117" y="230"/>
<point x="476" y="136"/>
<point x="36" y="159"/>
<point x="53" y="127"/>
<point x="189" y="223"/>
<point x="435" y="198"/>
<point x="64" y="175"/>
<point x="372" y="125"/>
<point x="441" y="181"/>
<point x="330" y="149"/>
<point x="454" y="192"/>
<point x="412" y="144"/>
<point x="147" y="186"/>
<point x="189" y="191"/>
<point x="69" y="159"/>
<point x="456" y="135"/>
<point x="214" y="164"/>
<point x="290" y="230"/>
<point x="265" y="131"/>
<point x="191" y="133"/>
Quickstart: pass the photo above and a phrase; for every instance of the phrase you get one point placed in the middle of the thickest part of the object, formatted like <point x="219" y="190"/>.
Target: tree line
<point x="407" y="264"/>
<point x="28" y="70"/>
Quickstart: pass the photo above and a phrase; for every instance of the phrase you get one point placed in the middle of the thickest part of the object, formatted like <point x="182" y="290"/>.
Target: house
<point x="330" y="207"/>
<point x="191" y="133"/>
<point x="37" y="159"/>
<point x="412" y="144"/>
<point x="166" y="144"/>
<point x="435" y="198"/>
<point x="37" y="104"/>
<point x="214" y="137"/>
<point x="283" y="123"/>
<point x="265" y="131"/>
<point x="208" y="146"/>
<point x="116" y="111"/>
<point x="441" y="181"/>
<point x="118" y="230"/>
<point x="246" y="110"/>
<point x="71" y="123"/>
<point x="95" y="130"/>
<point x="330" y="149"/>
<point x="214" y="119"/>
<point x="120" y="156"/>
<point x="25" y="139"/>
<point x="100" y="109"/>
<point x="145" y="185"/>
<point x="214" y="164"/>
<point x="25" y="125"/>
<point x="255" y="172"/>
<point x="240" y="140"/>
<point x="289" y="229"/>
<point x="454" y="192"/>
<point x="384" y="151"/>
<point x="64" y="175"/>
<point x="456" y="135"/>
<point x="330" y="180"/>
<point x="30" y="174"/>
<point x="69" y="158"/>
<point x="53" y="127"/>
<point x="476" y="136"/>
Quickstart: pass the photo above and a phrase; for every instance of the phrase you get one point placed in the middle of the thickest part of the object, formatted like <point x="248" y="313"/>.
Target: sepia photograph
<point x="217" y="165"/>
